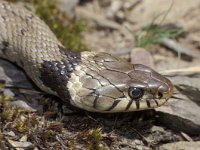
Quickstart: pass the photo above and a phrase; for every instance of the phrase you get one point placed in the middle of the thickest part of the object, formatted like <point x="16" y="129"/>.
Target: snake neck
<point x="56" y="74"/>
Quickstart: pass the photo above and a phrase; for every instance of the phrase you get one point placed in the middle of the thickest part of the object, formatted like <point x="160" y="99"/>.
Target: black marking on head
<point x="56" y="74"/>
<point x="113" y="105"/>
<point x="148" y="103"/>
<point x="5" y="46"/>
<point x="156" y="102"/>
<point x="95" y="101"/>
<point x="137" y="102"/>
<point x="129" y="104"/>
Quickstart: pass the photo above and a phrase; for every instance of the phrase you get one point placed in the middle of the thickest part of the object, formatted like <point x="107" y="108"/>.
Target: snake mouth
<point x="138" y="105"/>
<point x="125" y="105"/>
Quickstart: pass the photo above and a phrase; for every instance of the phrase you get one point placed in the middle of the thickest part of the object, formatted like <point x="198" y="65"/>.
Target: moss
<point x="92" y="139"/>
<point x="21" y="125"/>
<point x="2" y="141"/>
<point x="4" y="100"/>
<point x="72" y="144"/>
<point x="153" y="33"/>
<point x="17" y="116"/>
<point x="8" y="114"/>
<point x="69" y="32"/>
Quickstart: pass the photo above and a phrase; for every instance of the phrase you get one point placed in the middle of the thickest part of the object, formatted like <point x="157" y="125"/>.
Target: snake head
<point x="108" y="84"/>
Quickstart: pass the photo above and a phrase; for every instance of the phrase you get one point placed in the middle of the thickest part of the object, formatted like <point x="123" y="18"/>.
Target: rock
<point x="157" y="129"/>
<point x="17" y="144"/>
<point x="184" y="15"/>
<point x="10" y="133"/>
<point x="23" y="138"/>
<point x="128" y="5"/>
<point x="183" y="114"/>
<point x="23" y="105"/>
<point x="68" y="6"/>
<point x="114" y="8"/>
<point x="182" y="145"/>
<point x="13" y="76"/>
<point x="173" y="45"/>
<point x="187" y="137"/>
<point x="8" y="92"/>
<point x="14" y="79"/>
<point x="97" y="19"/>
<point x="132" y="144"/>
<point x="141" y="56"/>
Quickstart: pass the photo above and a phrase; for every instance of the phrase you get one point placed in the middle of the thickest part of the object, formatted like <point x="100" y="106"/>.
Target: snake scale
<point x="92" y="81"/>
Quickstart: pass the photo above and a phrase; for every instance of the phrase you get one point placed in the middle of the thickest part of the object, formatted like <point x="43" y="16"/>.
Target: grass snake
<point x="92" y="81"/>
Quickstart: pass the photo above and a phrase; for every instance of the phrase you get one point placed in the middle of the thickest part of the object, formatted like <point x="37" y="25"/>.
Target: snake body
<point x="91" y="81"/>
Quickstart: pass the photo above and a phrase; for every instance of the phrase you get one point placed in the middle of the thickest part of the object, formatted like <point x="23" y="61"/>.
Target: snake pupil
<point x="135" y="93"/>
<point x="160" y="95"/>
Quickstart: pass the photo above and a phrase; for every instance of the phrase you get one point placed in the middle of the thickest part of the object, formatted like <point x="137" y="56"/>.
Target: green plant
<point x="153" y="33"/>
<point x="69" y="32"/>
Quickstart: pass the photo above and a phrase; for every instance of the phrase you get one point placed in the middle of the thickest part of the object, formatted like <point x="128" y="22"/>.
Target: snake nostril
<point x="160" y="95"/>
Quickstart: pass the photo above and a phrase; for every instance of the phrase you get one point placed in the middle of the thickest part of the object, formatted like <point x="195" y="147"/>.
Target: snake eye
<point x="160" y="95"/>
<point x="135" y="93"/>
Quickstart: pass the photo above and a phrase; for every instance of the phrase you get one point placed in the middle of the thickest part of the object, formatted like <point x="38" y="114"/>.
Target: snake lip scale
<point x="97" y="82"/>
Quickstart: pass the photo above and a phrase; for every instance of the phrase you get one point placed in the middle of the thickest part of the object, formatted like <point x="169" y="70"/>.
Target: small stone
<point x="10" y="133"/>
<point x="68" y="6"/>
<point x="23" y="105"/>
<point x="17" y="144"/>
<point x="157" y="128"/>
<point x="8" y="92"/>
<point x="139" y="147"/>
<point x="138" y="142"/>
<point x="114" y="8"/>
<point x="187" y="137"/>
<point x="141" y="56"/>
<point x="23" y="138"/>
<point x="182" y="145"/>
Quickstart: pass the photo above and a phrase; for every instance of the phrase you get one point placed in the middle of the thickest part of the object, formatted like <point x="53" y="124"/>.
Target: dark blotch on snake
<point x="21" y="63"/>
<point x="5" y="46"/>
<point x="56" y="74"/>
<point x="137" y="102"/>
<point x="70" y="55"/>
<point x="148" y="103"/>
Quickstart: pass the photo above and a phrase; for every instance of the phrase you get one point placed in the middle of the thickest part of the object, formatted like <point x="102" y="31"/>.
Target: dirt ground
<point x="163" y="34"/>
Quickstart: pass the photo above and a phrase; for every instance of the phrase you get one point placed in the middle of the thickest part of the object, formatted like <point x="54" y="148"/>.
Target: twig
<point x="144" y="139"/>
<point x="187" y="137"/>
<point x="195" y="69"/>
<point x="171" y="44"/>
<point x="61" y="142"/>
